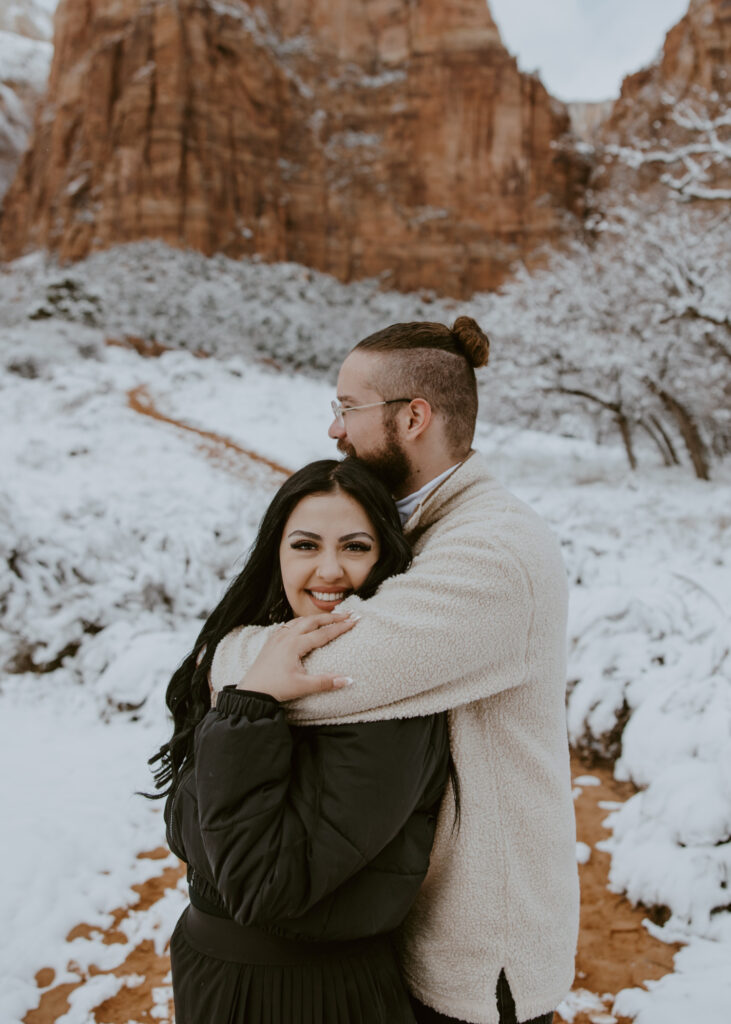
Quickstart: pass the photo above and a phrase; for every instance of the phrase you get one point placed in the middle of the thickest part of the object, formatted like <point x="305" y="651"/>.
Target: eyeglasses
<point x="339" y="410"/>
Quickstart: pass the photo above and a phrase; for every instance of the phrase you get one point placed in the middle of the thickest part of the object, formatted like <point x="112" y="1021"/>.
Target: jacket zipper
<point x="176" y="838"/>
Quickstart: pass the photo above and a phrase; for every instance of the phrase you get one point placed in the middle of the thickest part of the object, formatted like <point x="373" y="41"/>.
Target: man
<point x="476" y="627"/>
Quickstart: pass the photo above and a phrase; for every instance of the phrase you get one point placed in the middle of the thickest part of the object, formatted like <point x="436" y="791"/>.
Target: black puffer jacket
<point x="313" y="832"/>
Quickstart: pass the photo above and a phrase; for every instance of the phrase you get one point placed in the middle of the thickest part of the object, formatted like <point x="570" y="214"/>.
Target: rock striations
<point x="359" y="137"/>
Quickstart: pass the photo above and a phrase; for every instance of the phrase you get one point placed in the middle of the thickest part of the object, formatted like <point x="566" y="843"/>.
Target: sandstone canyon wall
<point x="358" y="137"/>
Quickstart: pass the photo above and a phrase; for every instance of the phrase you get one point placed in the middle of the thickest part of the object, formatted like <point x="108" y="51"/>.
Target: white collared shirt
<point x="407" y="505"/>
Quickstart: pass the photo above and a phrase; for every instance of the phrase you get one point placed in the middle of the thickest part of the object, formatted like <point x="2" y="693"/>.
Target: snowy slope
<point x="117" y="532"/>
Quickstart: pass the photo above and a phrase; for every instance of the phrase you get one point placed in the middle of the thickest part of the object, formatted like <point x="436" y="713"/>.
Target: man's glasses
<point x="339" y="410"/>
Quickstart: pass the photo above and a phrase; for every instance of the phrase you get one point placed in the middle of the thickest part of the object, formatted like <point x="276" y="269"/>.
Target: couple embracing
<point x="376" y="811"/>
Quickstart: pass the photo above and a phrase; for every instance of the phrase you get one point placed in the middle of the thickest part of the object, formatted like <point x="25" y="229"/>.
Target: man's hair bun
<point x="472" y="340"/>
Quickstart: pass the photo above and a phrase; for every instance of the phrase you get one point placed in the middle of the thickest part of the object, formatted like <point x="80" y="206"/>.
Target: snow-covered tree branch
<point x="690" y="164"/>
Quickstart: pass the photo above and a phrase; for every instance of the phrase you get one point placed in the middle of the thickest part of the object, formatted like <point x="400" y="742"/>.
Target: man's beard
<point x="390" y="463"/>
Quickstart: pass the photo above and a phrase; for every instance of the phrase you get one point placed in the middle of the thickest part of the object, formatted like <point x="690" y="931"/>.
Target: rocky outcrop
<point x="670" y="125"/>
<point x="365" y="137"/>
<point x="695" y="59"/>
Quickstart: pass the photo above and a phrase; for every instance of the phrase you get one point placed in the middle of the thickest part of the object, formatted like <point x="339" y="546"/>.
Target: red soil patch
<point x="145" y="347"/>
<point x="129" y="1004"/>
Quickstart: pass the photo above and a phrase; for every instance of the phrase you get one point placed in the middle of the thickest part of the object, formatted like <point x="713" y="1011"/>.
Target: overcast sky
<point x="583" y="48"/>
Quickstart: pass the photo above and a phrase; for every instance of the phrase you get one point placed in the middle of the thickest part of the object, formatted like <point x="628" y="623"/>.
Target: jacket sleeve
<point x="285" y="823"/>
<point x="464" y="607"/>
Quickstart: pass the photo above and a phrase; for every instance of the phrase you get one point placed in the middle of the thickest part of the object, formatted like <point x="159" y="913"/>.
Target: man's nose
<point x="336" y="431"/>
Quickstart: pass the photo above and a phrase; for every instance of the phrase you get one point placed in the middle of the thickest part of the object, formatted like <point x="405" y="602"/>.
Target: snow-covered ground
<point x="117" y="532"/>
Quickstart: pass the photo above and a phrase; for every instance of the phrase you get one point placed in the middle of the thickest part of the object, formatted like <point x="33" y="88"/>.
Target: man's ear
<point x="419" y="417"/>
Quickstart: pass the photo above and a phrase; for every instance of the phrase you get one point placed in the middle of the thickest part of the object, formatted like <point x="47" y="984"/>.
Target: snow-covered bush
<point x="650" y="686"/>
<point x="110" y="543"/>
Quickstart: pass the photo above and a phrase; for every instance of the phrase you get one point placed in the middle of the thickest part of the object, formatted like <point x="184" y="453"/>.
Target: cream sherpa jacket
<point x="477" y="626"/>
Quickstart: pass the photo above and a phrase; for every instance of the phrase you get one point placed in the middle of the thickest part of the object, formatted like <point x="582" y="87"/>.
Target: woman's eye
<point x="304" y="545"/>
<point x="356" y="546"/>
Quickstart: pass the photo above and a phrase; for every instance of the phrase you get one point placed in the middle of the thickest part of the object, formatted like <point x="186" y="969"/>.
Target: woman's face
<point x="328" y="547"/>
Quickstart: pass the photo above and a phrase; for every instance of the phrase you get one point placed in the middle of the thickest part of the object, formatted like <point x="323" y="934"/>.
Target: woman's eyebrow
<point x="358" y="533"/>
<point x="305" y="533"/>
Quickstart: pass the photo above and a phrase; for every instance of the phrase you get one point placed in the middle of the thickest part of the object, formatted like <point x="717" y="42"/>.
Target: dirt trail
<point x="216" y="446"/>
<point x="615" y="950"/>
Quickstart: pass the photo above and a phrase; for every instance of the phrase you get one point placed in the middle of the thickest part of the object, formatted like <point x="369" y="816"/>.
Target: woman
<point x="305" y="846"/>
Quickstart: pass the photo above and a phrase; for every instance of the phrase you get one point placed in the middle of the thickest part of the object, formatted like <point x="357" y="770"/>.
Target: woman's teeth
<point x="327" y="597"/>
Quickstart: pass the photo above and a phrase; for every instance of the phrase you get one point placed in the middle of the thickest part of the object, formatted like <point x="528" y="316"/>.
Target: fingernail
<point x="353" y="616"/>
<point x="340" y="681"/>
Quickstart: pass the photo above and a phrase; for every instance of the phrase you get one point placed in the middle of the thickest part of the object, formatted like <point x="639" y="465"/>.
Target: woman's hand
<point x="278" y="669"/>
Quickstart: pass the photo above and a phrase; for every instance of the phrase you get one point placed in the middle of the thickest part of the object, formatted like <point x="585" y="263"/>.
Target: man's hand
<point x="278" y="669"/>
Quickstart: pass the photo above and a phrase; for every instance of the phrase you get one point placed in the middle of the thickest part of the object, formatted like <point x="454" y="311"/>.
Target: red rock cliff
<point x="357" y="137"/>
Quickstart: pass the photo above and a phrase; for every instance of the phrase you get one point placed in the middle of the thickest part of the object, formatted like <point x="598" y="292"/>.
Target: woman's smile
<point x="325" y="600"/>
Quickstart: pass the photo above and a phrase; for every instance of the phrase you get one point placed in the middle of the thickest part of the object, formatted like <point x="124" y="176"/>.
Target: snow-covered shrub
<point x="114" y="534"/>
<point x="650" y="687"/>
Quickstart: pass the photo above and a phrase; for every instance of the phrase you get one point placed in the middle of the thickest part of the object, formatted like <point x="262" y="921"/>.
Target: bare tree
<point x="631" y="332"/>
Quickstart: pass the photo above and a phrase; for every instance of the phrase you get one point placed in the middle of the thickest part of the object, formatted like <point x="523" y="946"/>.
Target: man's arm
<point x="463" y="608"/>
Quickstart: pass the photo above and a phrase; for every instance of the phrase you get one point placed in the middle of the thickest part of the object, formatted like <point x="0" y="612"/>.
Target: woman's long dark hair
<point x="256" y="596"/>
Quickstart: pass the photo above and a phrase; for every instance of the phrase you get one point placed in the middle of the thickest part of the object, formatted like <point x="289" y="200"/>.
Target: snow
<point x="72" y="827"/>
<point x="582" y="1001"/>
<point x="699" y="989"/>
<point x="587" y="780"/>
<point x="583" y="853"/>
<point x="119" y="530"/>
<point x="30" y="18"/>
<point x="24" y="60"/>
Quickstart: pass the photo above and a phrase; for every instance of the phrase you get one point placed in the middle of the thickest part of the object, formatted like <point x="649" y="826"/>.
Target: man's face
<point x="371" y="435"/>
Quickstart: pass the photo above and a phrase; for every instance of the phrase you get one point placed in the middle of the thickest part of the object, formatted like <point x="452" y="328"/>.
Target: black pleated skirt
<point x="311" y="983"/>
